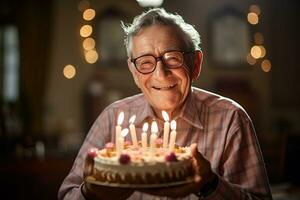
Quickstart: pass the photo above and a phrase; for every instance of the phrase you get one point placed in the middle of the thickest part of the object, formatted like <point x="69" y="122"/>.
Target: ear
<point x="198" y="57"/>
<point x="133" y="72"/>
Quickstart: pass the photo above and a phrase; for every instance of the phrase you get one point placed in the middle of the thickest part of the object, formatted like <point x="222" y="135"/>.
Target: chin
<point x="166" y="106"/>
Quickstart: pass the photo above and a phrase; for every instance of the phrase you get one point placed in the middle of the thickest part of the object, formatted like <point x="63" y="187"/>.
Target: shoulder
<point x="217" y="103"/>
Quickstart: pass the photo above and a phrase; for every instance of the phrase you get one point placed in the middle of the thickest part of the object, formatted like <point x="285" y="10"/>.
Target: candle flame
<point x="165" y="116"/>
<point x="124" y="132"/>
<point x="145" y="127"/>
<point x="154" y="127"/>
<point x="132" y="119"/>
<point x="173" y="125"/>
<point x="120" y="118"/>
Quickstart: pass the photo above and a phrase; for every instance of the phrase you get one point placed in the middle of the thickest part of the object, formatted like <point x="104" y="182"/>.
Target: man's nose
<point x="161" y="69"/>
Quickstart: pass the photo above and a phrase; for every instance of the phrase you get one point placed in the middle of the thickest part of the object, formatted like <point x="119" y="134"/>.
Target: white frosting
<point x="142" y="163"/>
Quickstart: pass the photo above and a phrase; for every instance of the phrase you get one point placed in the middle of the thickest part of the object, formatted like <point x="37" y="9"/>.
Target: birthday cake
<point x="138" y="165"/>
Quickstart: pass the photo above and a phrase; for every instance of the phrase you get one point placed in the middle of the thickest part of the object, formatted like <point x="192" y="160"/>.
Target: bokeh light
<point x="266" y="65"/>
<point x="250" y="59"/>
<point x="255" y="9"/>
<point x="89" y="14"/>
<point x="69" y="71"/>
<point x="86" y="30"/>
<point x="83" y="5"/>
<point x="258" y="38"/>
<point x="255" y="52"/>
<point x="88" y="44"/>
<point x="91" y="56"/>
<point x="252" y="18"/>
<point x="263" y="51"/>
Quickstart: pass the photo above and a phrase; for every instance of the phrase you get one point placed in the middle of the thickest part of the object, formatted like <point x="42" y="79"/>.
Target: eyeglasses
<point x="146" y="64"/>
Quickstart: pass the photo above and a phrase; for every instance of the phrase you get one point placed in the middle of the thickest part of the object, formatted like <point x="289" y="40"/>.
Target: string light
<point x="69" y="71"/>
<point x="255" y="52"/>
<point x="252" y="18"/>
<point x="91" y="56"/>
<point x="255" y="9"/>
<point x="266" y="65"/>
<point x="89" y="14"/>
<point x="86" y="30"/>
<point x="263" y="51"/>
<point x="88" y="44"/>
<point x="250" y="59"/>
<point x="258" y="38"/>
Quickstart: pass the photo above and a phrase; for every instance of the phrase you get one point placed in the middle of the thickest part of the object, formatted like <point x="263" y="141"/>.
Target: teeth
<point x="163" y="87"/>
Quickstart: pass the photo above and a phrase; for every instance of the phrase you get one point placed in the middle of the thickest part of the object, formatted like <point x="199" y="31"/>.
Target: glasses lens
<point x="173" y="59"/>
<point x="145" y="64"/>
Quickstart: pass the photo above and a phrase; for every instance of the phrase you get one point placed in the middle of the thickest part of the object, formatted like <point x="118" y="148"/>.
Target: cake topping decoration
<point x="93" y="152"/>
<point x="109" y="145"/>
<point x="124" y="159"/>
<point x="171" y="157"/>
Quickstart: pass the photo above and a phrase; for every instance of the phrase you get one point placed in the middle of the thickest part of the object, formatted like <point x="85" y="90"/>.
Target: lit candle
<point x="153" y="137"/>
<point x="119" y="128"/>
<point x="132" y="131"/>
<point x="121" y="139"/>
<point x="166" y="129"/>
<point x="144" y="135"/>
<point x="172" y="135"/>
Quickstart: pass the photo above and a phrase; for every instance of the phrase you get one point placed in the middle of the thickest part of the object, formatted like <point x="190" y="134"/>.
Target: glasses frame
<point x="159" y="58"/>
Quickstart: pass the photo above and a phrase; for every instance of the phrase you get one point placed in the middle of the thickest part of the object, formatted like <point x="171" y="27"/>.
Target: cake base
<point x="93" y="180"/>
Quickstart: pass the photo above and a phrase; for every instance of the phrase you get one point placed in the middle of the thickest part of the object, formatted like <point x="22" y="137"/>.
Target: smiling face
<point x="165" y="89"/>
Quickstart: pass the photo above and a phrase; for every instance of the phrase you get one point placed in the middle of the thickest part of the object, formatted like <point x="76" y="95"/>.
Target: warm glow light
<point x="263" y="51"/>
<point x="173" y="125"/>
<point x="89" y="14"/>
<point x="91" y="56"/>
<point x="69" y="71"/>
<point x="252" y="18"/>
<point x="258" y="38"/>
<point x="132" y="119"/>
<point x="266" y="65"/>
<point x="86" y="31"/>
<point x="250" y="59"/>
<point x="255" y="52"/>
<point x="88" y="44"/>
<point x="120" y="118"/>
<point x="145" y="127"/>
<point x="83" y="5"/>
<point x="154" y="127"/>
<point x="255" y="9"/>
<point x="124" y="132"/>
<point x="165" y="116"/>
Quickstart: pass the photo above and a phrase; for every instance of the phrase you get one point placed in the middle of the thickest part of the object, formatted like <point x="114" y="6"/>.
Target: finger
<point x="89" y="162"/>
<point x="196" y="154"/>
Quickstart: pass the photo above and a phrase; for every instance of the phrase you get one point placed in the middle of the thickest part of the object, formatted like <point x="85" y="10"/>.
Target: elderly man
<point x="164" y="59"/>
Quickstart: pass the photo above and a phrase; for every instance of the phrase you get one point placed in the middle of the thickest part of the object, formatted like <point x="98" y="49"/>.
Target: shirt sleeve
<point x="242" y="172"/>
<point x="96" y="138"/>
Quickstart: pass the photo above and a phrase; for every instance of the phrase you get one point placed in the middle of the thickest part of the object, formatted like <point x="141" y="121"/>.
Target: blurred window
<point x="10" y="65"/>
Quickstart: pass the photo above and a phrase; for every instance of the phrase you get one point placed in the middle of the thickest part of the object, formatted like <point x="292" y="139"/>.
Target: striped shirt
<point x="221" y="128"/>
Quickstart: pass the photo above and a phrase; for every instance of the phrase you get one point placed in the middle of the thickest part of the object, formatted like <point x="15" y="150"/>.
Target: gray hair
<point x="160" y="16"/>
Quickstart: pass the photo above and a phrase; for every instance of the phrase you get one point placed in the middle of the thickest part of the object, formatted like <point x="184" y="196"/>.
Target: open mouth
<point x="168" y="87"/>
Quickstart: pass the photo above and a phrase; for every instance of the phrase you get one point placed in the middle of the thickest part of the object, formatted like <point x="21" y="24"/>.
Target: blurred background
<point x="62" y="62"/>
